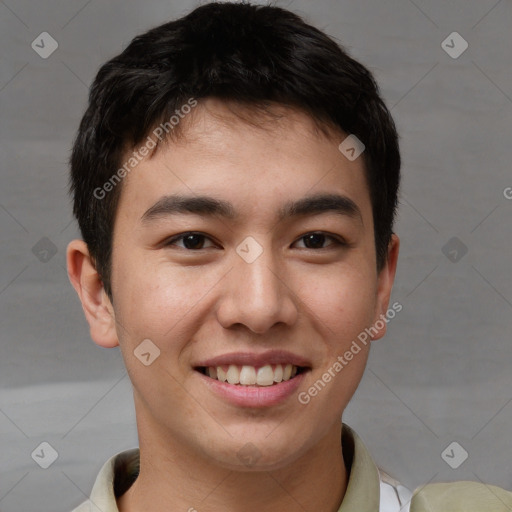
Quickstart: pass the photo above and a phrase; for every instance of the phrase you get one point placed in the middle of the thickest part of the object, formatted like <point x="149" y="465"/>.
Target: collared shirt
<point x="368" y="489"/>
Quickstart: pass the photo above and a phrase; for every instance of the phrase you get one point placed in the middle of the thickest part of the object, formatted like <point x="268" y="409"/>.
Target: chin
<point x="263" y="452"/>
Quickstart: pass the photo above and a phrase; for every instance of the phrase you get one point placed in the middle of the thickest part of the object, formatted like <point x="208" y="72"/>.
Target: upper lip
<point x="255" y="359"/>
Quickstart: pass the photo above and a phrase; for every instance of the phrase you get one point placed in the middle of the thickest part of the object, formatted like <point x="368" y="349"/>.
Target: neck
<point x="316" y="481"/>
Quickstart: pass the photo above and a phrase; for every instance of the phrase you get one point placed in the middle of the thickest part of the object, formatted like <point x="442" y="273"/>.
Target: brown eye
<point x="317" y="240"/>
<point x="190" y="241"/>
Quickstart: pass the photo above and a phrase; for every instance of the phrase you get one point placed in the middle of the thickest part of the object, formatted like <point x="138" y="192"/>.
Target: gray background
<point x="442" y="373"/>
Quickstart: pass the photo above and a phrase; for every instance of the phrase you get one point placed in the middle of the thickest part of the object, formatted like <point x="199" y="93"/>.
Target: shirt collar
<point x="362" y="493"/>
<point x="363" y="488"/>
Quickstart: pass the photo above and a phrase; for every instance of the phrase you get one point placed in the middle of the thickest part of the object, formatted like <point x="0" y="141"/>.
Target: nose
<point x="257" y="295"/>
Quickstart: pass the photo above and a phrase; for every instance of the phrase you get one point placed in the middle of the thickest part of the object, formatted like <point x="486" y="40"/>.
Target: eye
<point x="191" y="241"/>
<point x="317" y="239"/>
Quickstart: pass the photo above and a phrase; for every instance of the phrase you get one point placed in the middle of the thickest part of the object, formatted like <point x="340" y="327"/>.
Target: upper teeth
<point x="249" y="375"/>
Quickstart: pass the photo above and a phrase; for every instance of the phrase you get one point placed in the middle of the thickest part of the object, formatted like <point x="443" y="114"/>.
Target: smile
<point x="246" y="375"/>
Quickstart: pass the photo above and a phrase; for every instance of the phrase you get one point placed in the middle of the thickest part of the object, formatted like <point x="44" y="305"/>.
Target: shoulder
<point x="461" y="497"/>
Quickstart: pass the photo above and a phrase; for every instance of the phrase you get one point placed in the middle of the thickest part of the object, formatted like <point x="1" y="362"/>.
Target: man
<point x="235" y="180"/>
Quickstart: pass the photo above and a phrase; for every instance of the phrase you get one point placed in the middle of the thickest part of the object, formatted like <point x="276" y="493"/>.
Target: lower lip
<point x="252" y="396"/>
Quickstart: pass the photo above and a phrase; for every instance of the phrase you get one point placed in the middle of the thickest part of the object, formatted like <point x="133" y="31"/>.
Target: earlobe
<point x="87" y="283"/>
<point x="385" y="282"/>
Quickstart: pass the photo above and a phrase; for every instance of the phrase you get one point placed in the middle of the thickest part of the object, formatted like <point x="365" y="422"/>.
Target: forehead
<point x="255" y="159"/>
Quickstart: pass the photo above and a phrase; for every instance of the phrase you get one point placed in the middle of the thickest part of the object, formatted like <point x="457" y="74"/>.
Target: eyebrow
<point x="208" y="206"/>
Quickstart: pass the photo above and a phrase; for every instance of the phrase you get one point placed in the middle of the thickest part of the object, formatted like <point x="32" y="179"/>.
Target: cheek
<point x="157" y="302"/>
<point x="343" y="303"/>
<point x="154" y="298"/>
<point x="342" y="306"/>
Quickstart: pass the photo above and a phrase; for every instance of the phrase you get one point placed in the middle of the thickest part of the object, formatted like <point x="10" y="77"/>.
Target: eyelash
<point x="337" y="241"/>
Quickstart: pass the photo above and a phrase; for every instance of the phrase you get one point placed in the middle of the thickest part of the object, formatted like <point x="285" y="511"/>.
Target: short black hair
<point x="253" y="55"/>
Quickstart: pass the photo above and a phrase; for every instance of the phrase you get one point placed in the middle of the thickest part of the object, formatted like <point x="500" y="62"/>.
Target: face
<point x="245" y="253"/>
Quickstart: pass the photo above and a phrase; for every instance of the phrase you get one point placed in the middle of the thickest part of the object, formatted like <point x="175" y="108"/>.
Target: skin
<point x="200" y="303"/>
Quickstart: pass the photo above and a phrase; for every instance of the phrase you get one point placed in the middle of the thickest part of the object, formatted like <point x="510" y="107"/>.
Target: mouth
<point x="252" y="376"/>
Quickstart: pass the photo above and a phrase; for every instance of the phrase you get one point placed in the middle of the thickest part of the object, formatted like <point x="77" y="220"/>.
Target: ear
<point x="385" y="281"/>
<point x="95" y="302"/>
